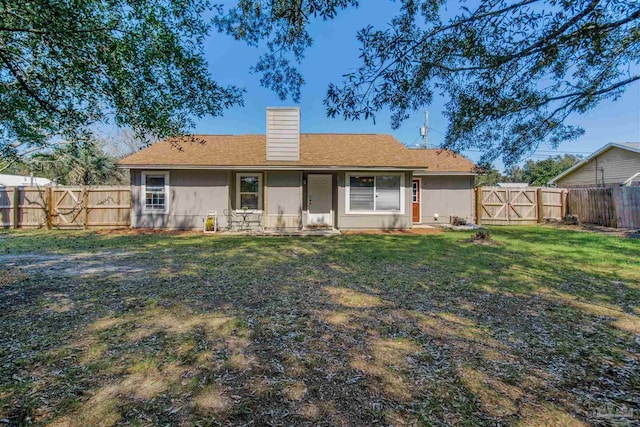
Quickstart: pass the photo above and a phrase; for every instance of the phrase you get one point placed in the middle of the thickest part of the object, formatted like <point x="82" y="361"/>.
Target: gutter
<point x="428" y="173"/>
<point x="261" y="168"/>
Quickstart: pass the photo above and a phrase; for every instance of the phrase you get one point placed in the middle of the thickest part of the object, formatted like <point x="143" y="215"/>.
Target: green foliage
<point x="283" y="24"/>
<point x="78" y="163"/>
<point x="539" y="172"/>
<point x="489" y="176"/>
<point x="15" y="167"/>
<point x="513" y="71"/>
<point x="67" y="65"/>
<point x="536" y="173"/>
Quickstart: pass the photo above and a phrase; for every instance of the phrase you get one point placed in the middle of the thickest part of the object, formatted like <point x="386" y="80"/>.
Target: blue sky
<point x="335" y="51"/>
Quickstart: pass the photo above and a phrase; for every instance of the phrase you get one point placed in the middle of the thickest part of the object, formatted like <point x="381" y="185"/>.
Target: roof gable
<point x="631" y="146"/>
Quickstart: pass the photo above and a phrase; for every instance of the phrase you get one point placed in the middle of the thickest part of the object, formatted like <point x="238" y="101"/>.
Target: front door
<point x="415" y="200"/>
<point x="319" y="200"/>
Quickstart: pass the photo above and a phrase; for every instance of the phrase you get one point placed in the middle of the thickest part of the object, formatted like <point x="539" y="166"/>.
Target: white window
<point x="155" y="190"/>
<point x="375" y="193"/>
<point x="249" y="191"/>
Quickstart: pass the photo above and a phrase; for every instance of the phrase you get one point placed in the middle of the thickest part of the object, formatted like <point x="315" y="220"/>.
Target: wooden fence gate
<point x="65" y="207"/>
<point x="513" y="206"/>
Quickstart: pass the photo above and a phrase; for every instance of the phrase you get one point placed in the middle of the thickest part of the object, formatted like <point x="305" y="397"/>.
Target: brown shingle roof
<point x="316" y="150"/>
<point x="439" y="160"/>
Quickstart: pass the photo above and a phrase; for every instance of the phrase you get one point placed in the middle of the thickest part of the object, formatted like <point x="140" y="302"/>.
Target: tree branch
<point x="47" y="32"/>
<point x="595" y="93"/>
<point x="47" y="106"/>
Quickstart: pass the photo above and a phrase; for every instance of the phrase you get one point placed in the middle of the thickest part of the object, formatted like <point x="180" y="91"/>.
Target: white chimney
<point x="283" y="133"/>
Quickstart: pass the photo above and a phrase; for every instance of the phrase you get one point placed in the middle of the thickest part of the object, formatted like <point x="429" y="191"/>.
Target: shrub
<point x="456" y="220"/>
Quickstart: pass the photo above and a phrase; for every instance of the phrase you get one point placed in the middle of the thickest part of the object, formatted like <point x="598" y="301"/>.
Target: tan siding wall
<point x="193" y="194"/>
<point x="372" y="221"/>
<point x="284" y="199"/>
<point x="283" y="134"/>
<point x="447" y="196"/>
<point x="617" y="166"/>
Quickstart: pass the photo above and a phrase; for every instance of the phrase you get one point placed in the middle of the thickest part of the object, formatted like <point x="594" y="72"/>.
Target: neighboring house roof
<point x="632" y="179"/>
<point x="633" y="147"/>
<point x="512" y="184"/>
<point x="22" y="180"/>
<point x="316" y="150"/>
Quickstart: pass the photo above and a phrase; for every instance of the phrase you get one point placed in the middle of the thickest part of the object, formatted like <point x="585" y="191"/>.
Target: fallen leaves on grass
<point x="359" y="330"/>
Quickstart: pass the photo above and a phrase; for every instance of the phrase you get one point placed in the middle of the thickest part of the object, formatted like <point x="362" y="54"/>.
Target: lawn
<point x="540" y="328"/>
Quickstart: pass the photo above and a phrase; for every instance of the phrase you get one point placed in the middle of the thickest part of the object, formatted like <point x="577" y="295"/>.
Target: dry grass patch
<point x="240" y="361"/>
<point x="146" y="381"/>
<point x="468" y="336"/>
<point x="349" y="298"/>
<point x="386" y="364"/>
<point x="624" y="321"/>
<point x="295" y="391"/>
<point x="336" y="318"/>
<point x="496" y="397"/>
<point x="179" y="320"/>
<point x="93" y="351"/>
<point x="100" y="410"/>
<point x="212" y="400"/>
<point x="58" y="302"/>
<point x="310" y="411"/>
<point x="547" y="415"/>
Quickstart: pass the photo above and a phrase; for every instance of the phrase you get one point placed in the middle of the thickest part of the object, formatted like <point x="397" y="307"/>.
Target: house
<point x="291" y="180"/>
<point x="23" y="181"/>
<point x="512" y="184"/>
<point x="612" y="165"/>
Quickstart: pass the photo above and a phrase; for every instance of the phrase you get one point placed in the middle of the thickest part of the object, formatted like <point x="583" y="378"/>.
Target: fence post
<point x="507" y="199"/>
<point x="478" y="205"/>
<point x="16" y="207"/>
<point x="49" y="205"/>
<point x="85" y="203"/>
<point x="539" y="205"/>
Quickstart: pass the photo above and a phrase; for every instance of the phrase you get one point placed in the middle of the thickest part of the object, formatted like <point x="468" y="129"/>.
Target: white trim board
<point x="419" y="179"/>
<point x="260" y="192"/>
<point x="143" y="193"/>
<point x="347" y="194"/>
<point x="330" y="213"/>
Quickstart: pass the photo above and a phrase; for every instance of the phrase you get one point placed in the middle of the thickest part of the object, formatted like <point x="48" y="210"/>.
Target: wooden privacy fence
<point x="65" y="207"/>
<point x="519" y="206"/>
<point x="610" y="207"/>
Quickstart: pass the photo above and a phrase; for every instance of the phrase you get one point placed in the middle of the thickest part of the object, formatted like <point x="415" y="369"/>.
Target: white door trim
<point x="310" y="216"/>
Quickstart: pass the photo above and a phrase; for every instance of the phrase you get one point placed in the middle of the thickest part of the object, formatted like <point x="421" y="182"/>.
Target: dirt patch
<point x="82" y="264"/>
<point x="146" y="231"/>
<point x="410" y="231"/>
<point x="630" y="233"/>
<point x="482" y="237"/>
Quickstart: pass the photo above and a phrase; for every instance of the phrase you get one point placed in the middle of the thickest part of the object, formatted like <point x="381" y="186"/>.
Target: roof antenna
<point x="424" y="130"/>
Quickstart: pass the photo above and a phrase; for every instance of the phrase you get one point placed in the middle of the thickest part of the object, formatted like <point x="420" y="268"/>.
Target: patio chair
<point x="233" y="220"/>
